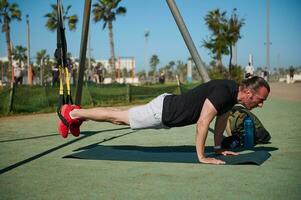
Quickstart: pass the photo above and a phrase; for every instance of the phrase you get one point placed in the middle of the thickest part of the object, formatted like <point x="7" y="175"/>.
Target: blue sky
<point x="165" y="39"/>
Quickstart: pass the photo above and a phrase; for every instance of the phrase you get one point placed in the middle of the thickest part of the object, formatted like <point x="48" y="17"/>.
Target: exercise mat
<point x="173" y="154"/>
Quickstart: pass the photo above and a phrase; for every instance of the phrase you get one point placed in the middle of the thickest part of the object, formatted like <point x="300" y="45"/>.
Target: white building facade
<point x="128" y="63"/>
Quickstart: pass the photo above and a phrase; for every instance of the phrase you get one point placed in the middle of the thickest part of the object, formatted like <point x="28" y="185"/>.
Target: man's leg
<point x="100" y="114"/>
<point x="74" y="116"/>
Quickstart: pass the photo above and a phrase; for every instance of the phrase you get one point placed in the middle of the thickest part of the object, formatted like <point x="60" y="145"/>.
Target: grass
<point x="38" y="99"/>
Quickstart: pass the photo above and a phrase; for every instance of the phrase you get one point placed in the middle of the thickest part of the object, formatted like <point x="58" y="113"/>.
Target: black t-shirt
<point x="185" y="109"/>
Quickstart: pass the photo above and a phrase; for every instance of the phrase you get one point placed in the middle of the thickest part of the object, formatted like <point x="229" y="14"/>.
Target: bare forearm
<point x="207" y="115"/>
<point x="218" y="137"/>
<point x="201" y="135"/>
<point x="220" y="125"/>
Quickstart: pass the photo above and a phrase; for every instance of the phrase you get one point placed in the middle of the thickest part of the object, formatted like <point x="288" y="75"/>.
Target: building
<point x="5" y="59"/>
<point x="128" y="63"/>
<point x="121" y="63"/>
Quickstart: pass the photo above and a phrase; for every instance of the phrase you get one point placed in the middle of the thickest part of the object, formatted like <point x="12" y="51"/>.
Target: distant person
<point x="291" y="73"/>
<point x="162" y="78"/>
<point x="199" y="106"/>
<point x="100" y="74"/>
<point x="18" y="74"/>
<point x="266" y="75"/>
<point x="74" y="73"/>
<point x="249" y="70"/>
<point x="55" y="76"/>
<point x="33" y="76"/>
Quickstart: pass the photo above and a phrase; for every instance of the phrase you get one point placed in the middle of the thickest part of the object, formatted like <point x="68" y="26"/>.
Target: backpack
<point x="236" y="120"/>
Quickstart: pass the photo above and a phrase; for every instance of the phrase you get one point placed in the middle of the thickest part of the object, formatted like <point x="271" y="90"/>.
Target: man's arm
<point x="207" y="115"/>
<point x="220" y="125"/>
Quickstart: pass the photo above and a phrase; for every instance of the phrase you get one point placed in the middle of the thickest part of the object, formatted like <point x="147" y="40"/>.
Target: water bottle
<point x="249" y="133"/>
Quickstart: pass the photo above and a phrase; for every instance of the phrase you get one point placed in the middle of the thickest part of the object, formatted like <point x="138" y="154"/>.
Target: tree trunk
<point x="112" y="60"/>
<point x="10" y="63"/>
<point x="219" y="65"/>
<point x="9" y="47"/>
<point x="230" y="63"/>
<point x="2" y="72"/>
<point x="42" y="71"/>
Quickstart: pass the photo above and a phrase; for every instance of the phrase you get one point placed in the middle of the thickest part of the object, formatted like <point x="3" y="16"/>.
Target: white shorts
<point x="148" y="115"/>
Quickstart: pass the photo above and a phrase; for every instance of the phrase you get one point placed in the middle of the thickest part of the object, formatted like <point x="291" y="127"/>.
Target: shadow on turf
<point x="163" y="149"/>
<point x="85" y="135"/>
<point x="29" y="138"/>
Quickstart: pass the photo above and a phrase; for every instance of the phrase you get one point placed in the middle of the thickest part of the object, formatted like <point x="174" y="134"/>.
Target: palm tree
<point x="146" y="36"/>
<point x="217" y="44"/>
<point x="41" y="57"/>
<point x="106" y="11"/>
<point x="154" y="61"/>
<point x="141" y="75"/>
<point x="181" y="70"/>
<point x="225" y="34"/>
<point x="172" y="65"/>
<point x="4" y="67"/>
<point x="8" y="12"/>
<point x="51" y="23"/>
<point x="19" y="54"/>
<point x="233" y="34"/>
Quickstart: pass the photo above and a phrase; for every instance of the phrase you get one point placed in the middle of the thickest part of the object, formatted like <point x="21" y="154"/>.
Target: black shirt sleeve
<point x="221" y="99"/>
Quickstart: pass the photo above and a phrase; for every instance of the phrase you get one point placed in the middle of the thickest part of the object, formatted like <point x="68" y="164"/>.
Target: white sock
<point x="71" y="115"/>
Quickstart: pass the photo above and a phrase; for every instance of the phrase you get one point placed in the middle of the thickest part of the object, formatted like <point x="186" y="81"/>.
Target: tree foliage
<point x="106" y="11"/>
<point x="19" y="54"/>
<point x="52" y="20"/>
<point x="225" y="32"/>
<point x="8" y="12"/>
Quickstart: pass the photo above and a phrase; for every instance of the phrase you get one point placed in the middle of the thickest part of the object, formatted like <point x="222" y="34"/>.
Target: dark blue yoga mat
<point x="173" y="154"/>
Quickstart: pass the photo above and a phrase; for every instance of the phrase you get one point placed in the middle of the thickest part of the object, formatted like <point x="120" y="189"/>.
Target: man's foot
<point x="63" y="129"/>
<point x="73" y="124"/>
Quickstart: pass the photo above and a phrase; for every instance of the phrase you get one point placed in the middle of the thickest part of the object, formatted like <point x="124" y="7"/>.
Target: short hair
<point x="254" y="83"/>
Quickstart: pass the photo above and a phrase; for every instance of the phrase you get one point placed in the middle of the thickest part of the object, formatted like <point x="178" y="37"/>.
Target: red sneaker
<point x="73" y="124"/>
<point x="63" y="129"/>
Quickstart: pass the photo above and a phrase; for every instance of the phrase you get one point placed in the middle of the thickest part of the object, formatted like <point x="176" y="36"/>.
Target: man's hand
<point x="226" y="153"/>
<point x="214" y="161"/>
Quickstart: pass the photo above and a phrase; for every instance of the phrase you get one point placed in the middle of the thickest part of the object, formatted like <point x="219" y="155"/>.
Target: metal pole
<point x="235" y="55"/>
<point x="29" y="74"/>
<point x="146" y="35"/>
<point x="2" y="67"/>
<point x="83" y="50"/>
<point x="268" y="43"/>
<point x="188" y="41"/>
<point x="89" y="52"/>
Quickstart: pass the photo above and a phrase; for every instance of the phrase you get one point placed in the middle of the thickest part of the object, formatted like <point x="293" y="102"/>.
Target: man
<point x="198" y="106"/>
<point x="18" y="74"/>
<point x="291" y="73"/>
<point x="249" y="70"/>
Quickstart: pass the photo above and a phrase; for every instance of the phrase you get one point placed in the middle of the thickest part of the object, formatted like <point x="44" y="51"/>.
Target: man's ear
<point x="246" y="93"/>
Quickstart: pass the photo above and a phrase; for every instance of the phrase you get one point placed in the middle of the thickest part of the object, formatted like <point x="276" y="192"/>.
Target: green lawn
<point x="31" y="156"/>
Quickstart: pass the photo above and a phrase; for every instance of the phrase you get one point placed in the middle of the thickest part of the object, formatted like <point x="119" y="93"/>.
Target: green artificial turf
<point x="33" y="167"/>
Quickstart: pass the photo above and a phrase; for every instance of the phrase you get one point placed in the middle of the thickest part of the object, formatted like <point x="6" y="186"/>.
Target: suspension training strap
<point x="61" y="58"/>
